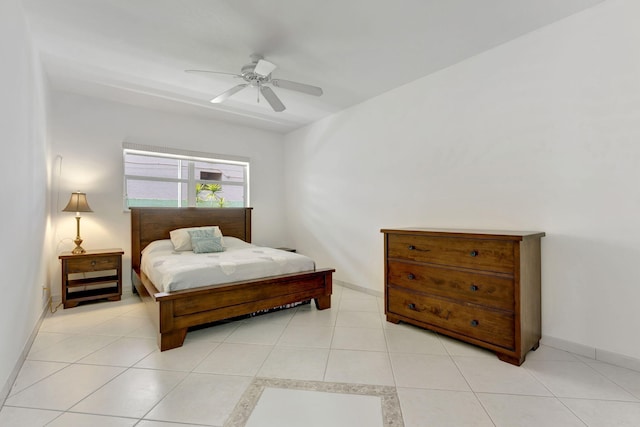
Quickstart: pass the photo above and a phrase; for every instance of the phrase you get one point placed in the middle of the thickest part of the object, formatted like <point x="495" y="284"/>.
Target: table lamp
<point x="77" y="203"/>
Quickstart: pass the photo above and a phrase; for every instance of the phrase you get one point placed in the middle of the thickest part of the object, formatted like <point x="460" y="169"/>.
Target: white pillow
<point x="181" y="238"/>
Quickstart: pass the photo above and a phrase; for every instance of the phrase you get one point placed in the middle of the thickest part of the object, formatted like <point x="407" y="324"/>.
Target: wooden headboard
<point x="149" y="224"/>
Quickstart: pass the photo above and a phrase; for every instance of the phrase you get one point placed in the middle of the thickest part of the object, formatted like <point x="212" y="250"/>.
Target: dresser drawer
<point x="489" y="255"/>
<point x="490" y="326"/>
<point x="485" y="289"/>
<point x="93" y="263"/>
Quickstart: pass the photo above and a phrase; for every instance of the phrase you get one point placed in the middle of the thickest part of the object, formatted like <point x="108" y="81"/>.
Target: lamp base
<point x="78" y="249"/>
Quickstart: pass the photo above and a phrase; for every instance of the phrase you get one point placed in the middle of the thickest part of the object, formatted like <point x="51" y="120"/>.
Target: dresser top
<point x="469" y="233"/>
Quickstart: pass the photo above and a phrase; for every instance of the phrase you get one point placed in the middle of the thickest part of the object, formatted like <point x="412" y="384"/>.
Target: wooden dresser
<point x="482" y="287"/>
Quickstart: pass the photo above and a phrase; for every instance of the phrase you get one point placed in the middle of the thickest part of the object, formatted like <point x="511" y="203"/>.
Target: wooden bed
<point x="174" y="312"/>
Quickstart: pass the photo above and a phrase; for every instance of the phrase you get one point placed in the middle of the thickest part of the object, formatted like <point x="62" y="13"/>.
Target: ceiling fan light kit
<point x="258" y="74"/>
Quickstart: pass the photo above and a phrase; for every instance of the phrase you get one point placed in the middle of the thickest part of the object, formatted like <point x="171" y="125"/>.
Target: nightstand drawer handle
<point x="474" y="253"/>
<point x="93" y="263"/>
<point x="474" y="288"/>
<point x="411" y="247"/>
<point x="474" y="323"/>
<point x="412" y="306"/>
<point x="411" y="276"/>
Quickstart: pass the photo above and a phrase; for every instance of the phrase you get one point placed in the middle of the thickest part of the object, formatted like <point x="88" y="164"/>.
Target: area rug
<point x="391" y="414"/>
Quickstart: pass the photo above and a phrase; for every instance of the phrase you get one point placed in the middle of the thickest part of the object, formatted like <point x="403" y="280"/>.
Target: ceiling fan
<point x="258" y="74"/>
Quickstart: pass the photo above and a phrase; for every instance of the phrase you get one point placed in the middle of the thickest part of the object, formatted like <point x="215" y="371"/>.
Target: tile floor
<point x="97" y="365"/>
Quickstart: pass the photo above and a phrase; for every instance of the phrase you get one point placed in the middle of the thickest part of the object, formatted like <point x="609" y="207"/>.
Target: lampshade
<point x="77" y="203"/>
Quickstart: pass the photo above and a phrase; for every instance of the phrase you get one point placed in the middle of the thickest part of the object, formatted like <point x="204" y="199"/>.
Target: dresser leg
<point x="392" y="319"/>
<point x="535" y="346"/>
<point x="510" y="359"/>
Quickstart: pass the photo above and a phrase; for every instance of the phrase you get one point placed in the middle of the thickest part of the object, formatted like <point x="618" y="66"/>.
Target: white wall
<point x="541" y="133"/>
<point x="24" y="169"/>
<point x="88" y="134"/>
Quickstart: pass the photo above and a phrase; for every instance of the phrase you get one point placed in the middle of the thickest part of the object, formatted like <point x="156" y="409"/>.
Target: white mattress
<point x="172" y="271"/>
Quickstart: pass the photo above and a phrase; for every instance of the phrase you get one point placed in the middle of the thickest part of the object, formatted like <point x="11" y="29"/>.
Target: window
<point x="167" y="177"/>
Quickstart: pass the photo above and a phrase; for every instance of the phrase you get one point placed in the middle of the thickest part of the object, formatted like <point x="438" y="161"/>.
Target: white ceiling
<point x="136" y="51"/>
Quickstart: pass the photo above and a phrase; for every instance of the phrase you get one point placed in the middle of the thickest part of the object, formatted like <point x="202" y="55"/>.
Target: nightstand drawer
<point x="94" y="263"/>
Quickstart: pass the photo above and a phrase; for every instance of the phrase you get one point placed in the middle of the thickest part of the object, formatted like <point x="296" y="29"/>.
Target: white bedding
<point x="172" y="271"/>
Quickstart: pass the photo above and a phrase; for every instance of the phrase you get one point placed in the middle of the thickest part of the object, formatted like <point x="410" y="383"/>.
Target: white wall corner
<point x="6" y="388"/>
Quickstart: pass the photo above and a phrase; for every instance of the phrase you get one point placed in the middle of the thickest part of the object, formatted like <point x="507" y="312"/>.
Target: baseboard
<point x="6" y="388"/>
<point x="359" y="288"/>
<point x="592" y="353"/>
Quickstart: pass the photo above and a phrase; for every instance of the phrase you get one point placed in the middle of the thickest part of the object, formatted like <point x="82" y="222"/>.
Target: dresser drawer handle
<point x="411" y="276"/>
<point x="474" y="323"/>
<point x="473" y="253"/>
<point x="474" y="288"/>
<point x="411" y="306"/>
<point x="411" y="247"/>
<point x="93" y="263"/>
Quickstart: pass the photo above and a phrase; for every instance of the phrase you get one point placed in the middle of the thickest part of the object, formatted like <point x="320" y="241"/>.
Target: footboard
<point x="174" y="312"/>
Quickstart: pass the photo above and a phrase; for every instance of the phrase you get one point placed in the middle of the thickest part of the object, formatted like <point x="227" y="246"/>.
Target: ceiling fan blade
<point x="209" y="72"/>
<point x="272" y="99"/>
<point x="226" y="94"/>
<point x="264" y="68"/>
<point x="299" y="87"/>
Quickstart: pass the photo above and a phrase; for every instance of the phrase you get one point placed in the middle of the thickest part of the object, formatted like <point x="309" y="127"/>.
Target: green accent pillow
<point x="205" y="245"/>
<point x="200" y="233"/>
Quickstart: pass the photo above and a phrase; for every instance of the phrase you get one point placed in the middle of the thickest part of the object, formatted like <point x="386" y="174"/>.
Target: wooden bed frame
<point x="174" y="312"/>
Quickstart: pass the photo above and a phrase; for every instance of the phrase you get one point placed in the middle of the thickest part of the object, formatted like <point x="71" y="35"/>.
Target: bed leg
<point x="171" y="339"/>
<point x="323" y="302"/>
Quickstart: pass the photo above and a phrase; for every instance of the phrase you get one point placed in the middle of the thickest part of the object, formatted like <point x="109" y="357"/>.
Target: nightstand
<point x="84" y="276"/>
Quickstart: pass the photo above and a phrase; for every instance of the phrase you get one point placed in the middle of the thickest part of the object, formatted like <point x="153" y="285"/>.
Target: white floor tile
<point x="45" y="340"/>
<point x="23" y="417"/>
<point x="70" y="419"/>
<point x="494" y="376"/>
<point x="120" y="326"/>
<point x="201" y="399"/>
<point x="254" y="332"/>
<point x="422" y="408"/>
<point x="131" y="394"/>
<point x="286" y="408"/>
<point x="147" y="423"/>
<point x="359" y="367"/>
<point x="358" y="319"/>
<point x="65" y="388"/>
<point x="295" y="363"/>
<point x="367" y="303"/>
<point x="427" y="371"/>
<point x="460" y="348"/>
<point x="309" y="315"/>
<point x="125" y="351"/>
<point x="528" y="411"/>
<point x="414" y="340"/>
<point x="597" y="413"/>
<point x="367" y="339"/>
<point x="549" y="353"/>
<point x="306" y="336"/>
<point x="625" y="378"/>
<point x="184" y="358"/>
<point x="234" y="359"/>
<point x="72" y="349"/>
<point x="577" y="380"/>
<point x="33" y="371"/>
